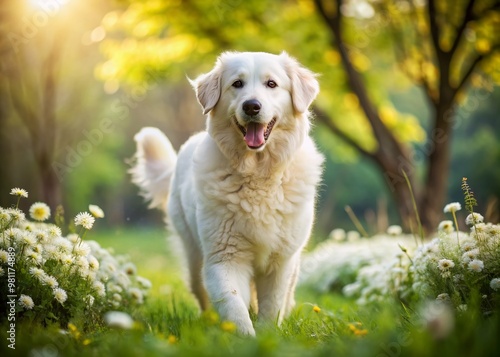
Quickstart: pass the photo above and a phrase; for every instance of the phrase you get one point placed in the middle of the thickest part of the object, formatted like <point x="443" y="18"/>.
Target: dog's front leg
<point x="228" y="285"/>
<point x="276" y="288"/>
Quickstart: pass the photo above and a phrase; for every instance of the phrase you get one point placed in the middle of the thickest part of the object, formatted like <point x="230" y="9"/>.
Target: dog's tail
<point x="154" y="166"/>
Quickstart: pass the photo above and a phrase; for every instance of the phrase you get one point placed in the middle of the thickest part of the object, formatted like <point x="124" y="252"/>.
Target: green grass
<point x="169" y="324"/>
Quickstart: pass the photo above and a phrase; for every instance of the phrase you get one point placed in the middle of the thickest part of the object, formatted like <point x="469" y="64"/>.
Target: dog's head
<point x="255" y="94"/>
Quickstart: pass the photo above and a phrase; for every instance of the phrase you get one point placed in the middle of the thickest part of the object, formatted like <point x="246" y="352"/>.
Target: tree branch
<point x="473" y="66"/>
<point x="389" y="146"/>
<point x="468" y="16"/>
<point x="321" y="116"/>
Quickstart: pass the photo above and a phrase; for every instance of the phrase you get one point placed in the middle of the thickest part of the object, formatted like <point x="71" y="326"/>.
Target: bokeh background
<point x="405" y="85"/>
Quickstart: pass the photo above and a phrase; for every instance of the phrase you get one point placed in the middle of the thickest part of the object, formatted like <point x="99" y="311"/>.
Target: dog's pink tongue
<point x="255" y="135"/>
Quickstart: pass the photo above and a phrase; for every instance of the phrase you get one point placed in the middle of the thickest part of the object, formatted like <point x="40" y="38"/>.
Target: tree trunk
<point x="434" y="195"/>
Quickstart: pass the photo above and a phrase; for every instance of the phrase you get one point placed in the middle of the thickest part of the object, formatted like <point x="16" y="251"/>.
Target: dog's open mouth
<point x="256" y="134"/>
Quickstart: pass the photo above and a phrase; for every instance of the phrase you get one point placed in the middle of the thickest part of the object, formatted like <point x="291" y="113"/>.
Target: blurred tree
<point x="45" y="92"/>
<point x="445" y="48"/>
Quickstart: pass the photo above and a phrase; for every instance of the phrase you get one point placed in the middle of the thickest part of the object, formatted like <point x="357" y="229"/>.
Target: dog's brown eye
<point x="271" y="84"/>
<point x="237" y="84"/>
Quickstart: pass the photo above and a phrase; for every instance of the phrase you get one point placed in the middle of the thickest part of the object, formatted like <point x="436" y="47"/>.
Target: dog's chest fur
<point x="271" y="214"/>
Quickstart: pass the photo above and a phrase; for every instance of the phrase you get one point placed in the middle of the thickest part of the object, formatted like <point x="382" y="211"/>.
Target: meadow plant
<point x="454" y="267"/>
<point x="56" y="278"/>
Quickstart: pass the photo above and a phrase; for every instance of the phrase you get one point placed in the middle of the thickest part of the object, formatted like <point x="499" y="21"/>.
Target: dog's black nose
<point x="251" y="107"/>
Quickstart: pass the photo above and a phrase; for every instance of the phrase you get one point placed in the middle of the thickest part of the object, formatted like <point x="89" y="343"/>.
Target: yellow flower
<point x="356" y="329"/>
<point x="172" y="339"/>
<point x="361" y="332"/>
<point x="316" y="308"/>
<point x="228" y="326"/>
<point x="87" y="341"/>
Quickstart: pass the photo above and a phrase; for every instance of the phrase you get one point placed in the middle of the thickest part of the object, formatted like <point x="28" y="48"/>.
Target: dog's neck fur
<point x="276" y="156"/>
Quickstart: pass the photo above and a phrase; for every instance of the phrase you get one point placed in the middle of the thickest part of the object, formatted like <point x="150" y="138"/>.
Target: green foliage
<point x="56" y="279"/>
<point x="469" y="199"/>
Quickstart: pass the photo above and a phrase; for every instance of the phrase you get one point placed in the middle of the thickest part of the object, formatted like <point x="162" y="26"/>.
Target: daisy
<point x="476" y="265"/>
<point x="26" y="302"/>
<point x="130" y="268"/>
<point x="99" y="288"/>
<point x="446" y="227"/>
<point x="96" y="211"/>
<point x="4" y="256"/>
<point x="136" y="295"/>
<point x="54" y="231"/>
<point x="470" y="255"/>
<point x="118" y="319"/>
<point x="28" y="239"/>
<point x="394" y="230"/>
<point x="452" y="207"/>
<point x="60" y="295"/>
<point x="85" y="220"/>
<point x="81" y="249"/>
<point x="445" y="264"/>
<point x="19" y="192"/>
<point x="38" y="273"/>
<point x="51" y="282"/>
<point x="89" y="299"/>
<point x="93" y="263"/>
<point x="474" y="218"/>
<point x="39" y="211"/>
<point x="144" y="283"/>
<point x="16" y="215"/>
<point x="495" y="284"/>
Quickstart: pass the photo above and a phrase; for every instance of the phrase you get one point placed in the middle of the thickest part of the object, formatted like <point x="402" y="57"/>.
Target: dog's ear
<point x="305" y="87"/>
<point x="207" y="88"/>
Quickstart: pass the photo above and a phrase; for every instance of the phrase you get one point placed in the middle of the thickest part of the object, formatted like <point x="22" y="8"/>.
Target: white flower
<point x="474" y="218"/>
<point x="136" y="295"/>
<point x="38" y="274"/>
<point x="39" y="211"/>
<point x="446" y="227"/>
<point x="117" y="297"/>
<point x="85" y="220"/>
<point x="26" y="302"/>
<point x="19" y="192"/>
<point x="129" y="268"/>
<point x="54" y="231"/>
<point x="82" y="249"/>
<point x="394" y="230"/>
<point x="445" y="264"/>
<point x="50" y="281"/>
<point x="470" y="255"/>
<point x="338" y="234"/>
<point x="60" y="295"/>
<point x="144" y="283"/>
<point x="99" y="288"/>
<point x="443" y="297"/>
<point x="452" y="207"/>
<point x="73" y="238"/>
<point x="89" y="299"/>
<point x="467" y="246"/>
<point x="495" y="284"/>
<point x="438" y="318"/>
<point x="476" y="265"/>
<point x="27" y="238"/>
<point x="118" y="319"/>
<point x="16" y="215"/>
<point x="96" y="211"/>
<point x="93" y="263"/>
<point x="4" y="256"/>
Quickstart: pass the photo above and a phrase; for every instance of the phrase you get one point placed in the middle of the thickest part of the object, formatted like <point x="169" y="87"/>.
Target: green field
<point x="321" y="325"/>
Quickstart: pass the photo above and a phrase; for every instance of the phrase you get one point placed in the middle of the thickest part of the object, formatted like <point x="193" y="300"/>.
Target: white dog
<point x="241" y="195"/>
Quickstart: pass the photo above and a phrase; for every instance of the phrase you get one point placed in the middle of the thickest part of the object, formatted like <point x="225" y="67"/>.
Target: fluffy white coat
<point x="241" y="195"/>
